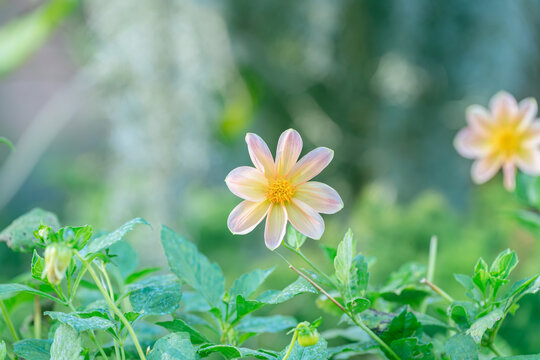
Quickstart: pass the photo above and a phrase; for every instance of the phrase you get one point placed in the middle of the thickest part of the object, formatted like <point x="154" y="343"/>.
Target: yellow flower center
<point x="280" y="191"/>
<point x="508" y="141"/>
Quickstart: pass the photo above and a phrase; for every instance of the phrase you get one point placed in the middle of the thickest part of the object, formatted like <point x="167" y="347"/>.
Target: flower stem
<point x="438" y="290"/>
<point x="291" y="346"/>
<point x="113" y="306"/>
<point x="310" y="263"/>
<point x="354" y="318"/>
<point x="495" y="350"/>
<point x="37" y="317"/>
<point x="8" y="321"/>
<point x="431" y="266"/>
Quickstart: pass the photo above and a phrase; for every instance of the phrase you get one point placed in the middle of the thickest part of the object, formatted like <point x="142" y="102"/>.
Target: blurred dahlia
<point x="280" y="190"/>
<point x="505" y="136"/>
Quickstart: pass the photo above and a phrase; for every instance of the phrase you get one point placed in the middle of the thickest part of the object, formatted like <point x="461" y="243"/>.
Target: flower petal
<point x="276" y="223"/>
<point x="531" y="136"/>
<point x="527" y="112"/>
<point x="311" y="165"/>
<point x="260" y="154"/>
<point x="305" y="219"/>
<point x="504" y="107"/>
<point x="248" y="183"/>
<point x="321" y="197"/>
<point x="246" y="216"/>
<point x="288" y="151"/>
<point x="484" y="169"/>
<point x="529" y="161"/>
<point x="470" y="144"/>
<point x="509" y="175"/>
<point x="479" y="119"/>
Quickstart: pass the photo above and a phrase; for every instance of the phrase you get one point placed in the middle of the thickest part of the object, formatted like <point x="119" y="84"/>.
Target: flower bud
<point x="308" y="338"/>
<point x="57" y="259"/>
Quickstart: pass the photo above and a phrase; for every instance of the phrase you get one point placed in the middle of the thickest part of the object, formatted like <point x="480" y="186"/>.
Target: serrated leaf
<point x="105" y="241"/>
<point x="140" y="274"/>
<point x="504" y="264"/>
<point x="355" y="348"/>
<point x="266" y="324"/>
<point x="124" y="257"/>
<point x="173" y="346"/>
<point x="319" y="351"/>
<point x="295" y="239"/>
<point x="193" y="267"/>
<point x="10" y="290"/>
<point x="179" y="325"/>
<point x="467" y="282"/>
<point x="343" y="262"/>
<point x="299" y="286"/>
<point x="19" y="235"/>
<point x="459" y="315"/>
<point x="66" y="344"/>
<point x="412" y="348"/>
<point x="358" y="305"/>
<point x="486" y="322"/>
<point x="247" y="284"/>
<point x="38" y="264"/>
<point x="157" y="295"/>
<point x="34" y="349"/>
<point x="404" y="325"/>
<point x="461" y="347"/>
<point x="81" y="324"/>
<point x="230" y="352"/>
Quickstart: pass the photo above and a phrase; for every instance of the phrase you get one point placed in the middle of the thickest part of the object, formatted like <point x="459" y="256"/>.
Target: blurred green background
<point x="123" y="108"/>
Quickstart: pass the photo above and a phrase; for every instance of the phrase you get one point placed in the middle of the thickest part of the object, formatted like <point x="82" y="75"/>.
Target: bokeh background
<point x="124" y="108"/>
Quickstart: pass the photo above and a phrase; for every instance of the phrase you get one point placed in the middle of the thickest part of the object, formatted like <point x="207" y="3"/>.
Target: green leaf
<point x="20" y="234"/>
<point x="520" y="289"/>
<point x="179" y="325"/>
<point x="6" y="141"/>
<point x="486" y="322"/>
<point x="459" y="315"/>
<point x="34" y="349"/>
<point x="299" y="286"/>
<point x="192" y="267"/>
<point x="295" y="239"/>
<point x="66" y="344"/>
<point x="173" y="346"/>
<point x="3" y="350"/>
<point x="404" y="325"/>
<point x="504" y="264"/>
<point x="468" y="284"/>
<point x="267" y="324"/>
<point x="355" y="348"/>
<point x="461" y="347"/>
<point x="343" y="263"/>
<point x="319" y="351"/>
<point x="404" y="286"/>
<point x="10" y="290"/>
<point x="21" y="37"/>
<point x="138" y="275"/>
<point x="519" y="357"/>
<point x="244" y="307"/>
<point x="528" y="219"/>
<point x="481" y="275"/>
<point x="411" y="348"/>
<point x="109" y="239"/>
<point x="81" y="324"/>
<point x="157" y="295"/>
<point x="247" y="284"/>
<point x="38" y="264"/>
<point x="329" y="251"/>
<point x="358" y="305"/>
<point x="230" y="352"/>
<point x="124" y="257"/>
<point x="528" y="189"/>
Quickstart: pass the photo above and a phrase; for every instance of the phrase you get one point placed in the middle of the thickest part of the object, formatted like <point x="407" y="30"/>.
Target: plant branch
<point x="291" y="346"/>
<point x="438" y="290"/>
<point x="113" y="306"/>
<point x="37" y="317"/>
<point x="8" y="321"/>
<point x="354" y="318"/>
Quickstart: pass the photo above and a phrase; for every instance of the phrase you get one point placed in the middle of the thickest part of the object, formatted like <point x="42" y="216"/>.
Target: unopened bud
<point x="57" y="259"/>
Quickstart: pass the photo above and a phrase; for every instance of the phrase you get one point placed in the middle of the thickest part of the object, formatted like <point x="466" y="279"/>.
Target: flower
<point x="505" y="136"/>
<point x="280" y="190"/>
<point x="57" y="259"/>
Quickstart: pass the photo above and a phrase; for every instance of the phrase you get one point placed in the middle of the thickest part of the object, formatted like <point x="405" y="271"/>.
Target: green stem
<point x="113" y="306"/>
<point x="291" y="346"/>
<point x="37" y="317"/>
<point x="313" y="266"/>
<point x="8" y="321"/>
<point x="358" y="321"/>
<point x="431" y="267"/>
<point x="438" y="290"/>
<point x="91" y="333"/>
<point x="495" y="350"/>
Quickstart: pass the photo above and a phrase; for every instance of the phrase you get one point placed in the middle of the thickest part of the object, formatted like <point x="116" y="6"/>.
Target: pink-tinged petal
<point x="248" y="183"/>
<point x="311" y="165"/>
<point x="504" y="107"/>
<point x="509" y="175"/>
<point x="276" y="223"/>
<point x="479" y="119"/>
<point x="305" y="219"/>
<point x="531" y="136"/>
<point x="484" y="169"/>
<point x="246" y="216"/>
<point x="321" y="197"/>
<point x="288" y="151"/>
<point x="529" y="161"/>
<point x="260" y="154"/>
<point x="471" y="144"/>
<point x="528" y="108"/>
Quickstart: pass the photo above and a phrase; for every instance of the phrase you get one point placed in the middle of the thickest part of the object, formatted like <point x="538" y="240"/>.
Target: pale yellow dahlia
<point x="506" y="136"/>
<point x="280" y="190"/>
